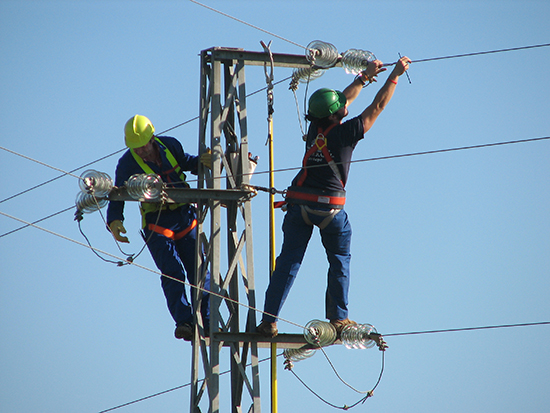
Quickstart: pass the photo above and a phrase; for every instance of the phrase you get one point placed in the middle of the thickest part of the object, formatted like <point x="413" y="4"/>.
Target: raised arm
<point x="368" y="75"/>
<point x="384" y="95"/>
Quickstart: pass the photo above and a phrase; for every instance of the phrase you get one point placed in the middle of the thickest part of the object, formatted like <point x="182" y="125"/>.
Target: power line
<point x="486" y="145"/>
<point x="111" y="154"/>
<point x="173" y="389"/>
<point x="197" y="117"/>
<point x="451" y="330"/>
<point x="385" y="335"/>
<point x="248" y="24"/>
<point x="36" y="222"/>
<point x="431" y="59"/>
<point x="405" y="155"/>
<point x="60" y="176"/>
<point x="39" y="162"/>
<point x="223" y="297"/>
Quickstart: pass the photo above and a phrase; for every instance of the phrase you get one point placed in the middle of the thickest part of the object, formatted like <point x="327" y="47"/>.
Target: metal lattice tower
<point x="223" y="114"/>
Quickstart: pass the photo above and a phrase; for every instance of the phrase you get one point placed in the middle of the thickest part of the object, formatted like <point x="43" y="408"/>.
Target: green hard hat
<point x="324" y="102"/>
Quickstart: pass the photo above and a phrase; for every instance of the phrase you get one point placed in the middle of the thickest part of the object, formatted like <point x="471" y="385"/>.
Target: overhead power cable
<point x="248" y="24"/>
<point x="346" y="407"/>
<point x="451" y="330"/>
<point x="37" y="221"/>
<point x="281" y="319"/>
<point x="359" y="160"/>
<point x="404" y="155"/>
<point x="39" y="162"/>
<point x="173" y="389"/>
<point x="111" y="154"/>
<point x="275" y="83"/>
<point x="223" y="297"/>
<point x="431" y="59"/>
<point x="60" y="176"/>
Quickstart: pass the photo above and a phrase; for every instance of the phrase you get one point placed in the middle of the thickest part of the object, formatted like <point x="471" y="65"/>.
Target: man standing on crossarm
<point x="317" y="195"/>
<point x="168" y="228"/>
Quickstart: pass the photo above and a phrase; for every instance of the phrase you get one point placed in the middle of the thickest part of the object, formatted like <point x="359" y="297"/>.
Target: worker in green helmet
<point x="317" y="194"/>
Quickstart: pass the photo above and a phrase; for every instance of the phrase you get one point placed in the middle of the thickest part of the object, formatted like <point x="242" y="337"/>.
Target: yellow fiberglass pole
<point x="274" y="395"/>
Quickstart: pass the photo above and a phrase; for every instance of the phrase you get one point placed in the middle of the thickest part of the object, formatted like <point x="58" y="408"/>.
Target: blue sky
<point x="445" y="240"/>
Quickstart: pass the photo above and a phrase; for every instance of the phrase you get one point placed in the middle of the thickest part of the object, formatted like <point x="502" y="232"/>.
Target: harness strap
<point x="169" y="156"/>
<point x="329" y="215"/>
<point x="168" y="233"/>
<point x="320" y="199"/>
<point x="320" y="145"/>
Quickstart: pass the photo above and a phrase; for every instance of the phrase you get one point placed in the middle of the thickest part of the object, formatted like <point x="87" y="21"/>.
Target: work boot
<point x="267" y="329"/>
<point x="184" y="331"/>
<point x="340" y="324"/>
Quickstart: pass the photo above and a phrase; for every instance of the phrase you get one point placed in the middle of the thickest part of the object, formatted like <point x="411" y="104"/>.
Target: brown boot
<point x="267" y="329"/>
<point x="184" y="331"/>
<point x="340" y="324"/>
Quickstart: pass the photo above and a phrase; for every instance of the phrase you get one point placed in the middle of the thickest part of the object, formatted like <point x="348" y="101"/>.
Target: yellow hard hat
<point x="138" y="131"/>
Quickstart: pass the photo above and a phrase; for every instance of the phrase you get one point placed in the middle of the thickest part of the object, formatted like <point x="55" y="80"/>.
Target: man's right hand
<point x="117" y="228"/>
<point x="401" y="66"/>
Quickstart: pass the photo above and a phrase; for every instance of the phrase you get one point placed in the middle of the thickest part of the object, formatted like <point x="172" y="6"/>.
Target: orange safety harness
<point x="168" y="233"/>
<point x="295" y="192"/>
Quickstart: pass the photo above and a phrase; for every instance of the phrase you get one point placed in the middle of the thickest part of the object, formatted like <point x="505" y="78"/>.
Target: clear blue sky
<point x="446" y="240"/>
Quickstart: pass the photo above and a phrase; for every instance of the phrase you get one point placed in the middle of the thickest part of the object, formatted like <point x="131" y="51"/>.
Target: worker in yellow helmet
<point x="168" y="228"/>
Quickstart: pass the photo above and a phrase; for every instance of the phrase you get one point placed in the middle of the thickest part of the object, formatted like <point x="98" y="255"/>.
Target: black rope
<point x="344" y="407"/>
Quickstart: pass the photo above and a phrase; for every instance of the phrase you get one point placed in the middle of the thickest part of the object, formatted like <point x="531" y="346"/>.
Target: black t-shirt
<point x="341" y="141"/>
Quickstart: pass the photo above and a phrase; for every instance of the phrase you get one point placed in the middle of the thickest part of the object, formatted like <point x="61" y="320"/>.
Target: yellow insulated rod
<point x="274" y="396"/>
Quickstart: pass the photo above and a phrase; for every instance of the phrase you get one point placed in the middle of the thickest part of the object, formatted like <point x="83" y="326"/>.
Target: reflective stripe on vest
<point x="168" y="233"/>
<point x="147" y="207"/>
<point x="169" y="157"/>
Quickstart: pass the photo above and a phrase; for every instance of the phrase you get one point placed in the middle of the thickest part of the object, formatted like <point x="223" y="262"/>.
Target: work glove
<point x="117" y="228"/>
<point x="206" y="158"/>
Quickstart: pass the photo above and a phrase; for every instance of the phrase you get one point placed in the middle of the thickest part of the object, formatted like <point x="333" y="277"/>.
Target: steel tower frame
<point x="217" y="119"/>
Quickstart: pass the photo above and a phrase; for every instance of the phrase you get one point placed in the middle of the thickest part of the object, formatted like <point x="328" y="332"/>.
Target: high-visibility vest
<point x="147" y="207"/>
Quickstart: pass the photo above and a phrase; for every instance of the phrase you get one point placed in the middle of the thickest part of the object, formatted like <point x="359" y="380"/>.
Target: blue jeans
<point x="336" y="238"/>
<point x="178" y="259"/>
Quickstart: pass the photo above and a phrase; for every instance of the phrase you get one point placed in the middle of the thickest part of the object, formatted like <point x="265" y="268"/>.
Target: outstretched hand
<point x="401" y="66"/>
<point x="373" y="69"/>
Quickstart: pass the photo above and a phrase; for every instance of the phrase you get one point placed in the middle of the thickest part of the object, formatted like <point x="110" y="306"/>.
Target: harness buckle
<point x="323" y="139"/>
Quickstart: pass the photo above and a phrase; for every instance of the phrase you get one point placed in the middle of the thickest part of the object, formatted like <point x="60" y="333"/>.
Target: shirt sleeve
<point x="124" y="169"/>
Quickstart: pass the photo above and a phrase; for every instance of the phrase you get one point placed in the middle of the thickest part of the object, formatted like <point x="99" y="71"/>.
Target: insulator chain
<point x="95" y="186"/>
<point x="292" y="355"/>
<point x="319" y="333"/>
<point x="322" y="55"/>
<point x="355" y="61"/>
<point x="362" y="336"/>
<point x="145" y="186"/>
